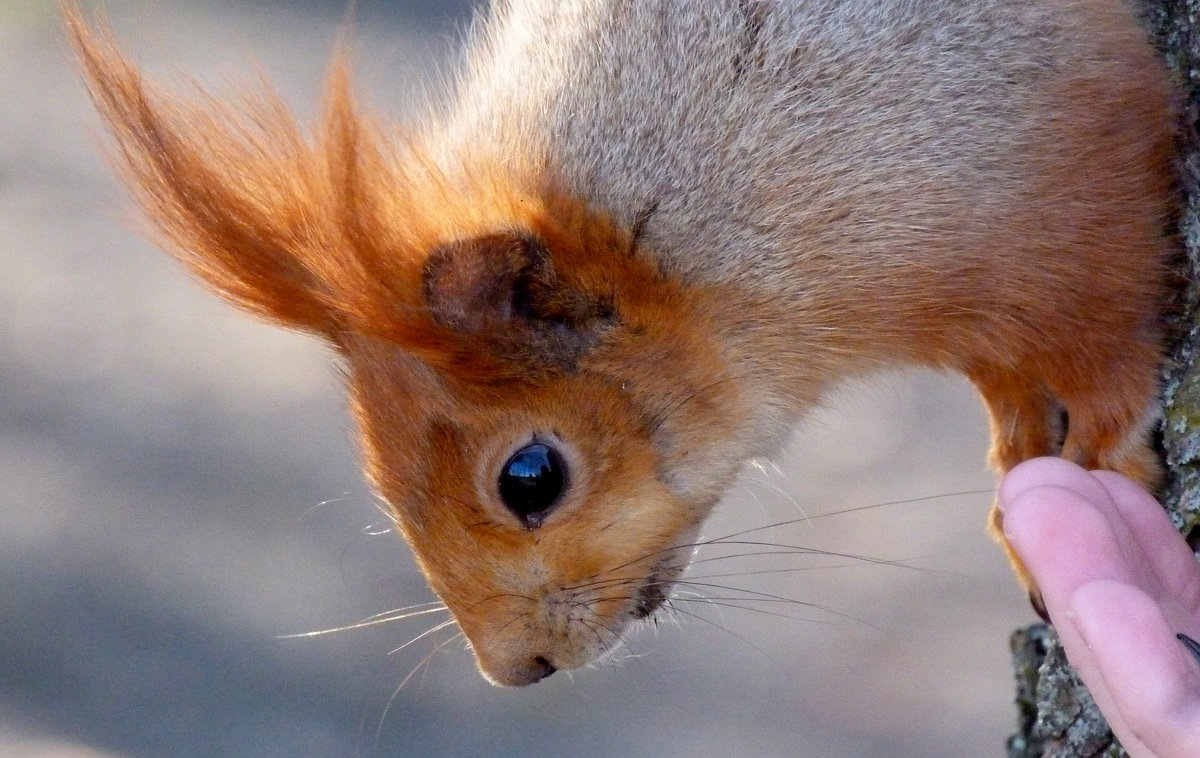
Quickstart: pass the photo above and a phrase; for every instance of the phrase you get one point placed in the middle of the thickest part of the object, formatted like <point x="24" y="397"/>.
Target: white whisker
<point x="424" y="634"/>
<point x="422" y="664"/>
<point x="379" y="618"/>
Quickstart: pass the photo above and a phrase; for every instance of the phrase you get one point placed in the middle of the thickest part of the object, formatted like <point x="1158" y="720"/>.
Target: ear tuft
<point x="225" y="189"/>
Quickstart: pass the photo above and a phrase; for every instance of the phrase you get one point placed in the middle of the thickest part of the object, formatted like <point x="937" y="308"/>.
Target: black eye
<point x="531" y="482"/>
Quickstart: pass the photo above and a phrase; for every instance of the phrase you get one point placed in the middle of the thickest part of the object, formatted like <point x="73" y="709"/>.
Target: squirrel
<point x="641" y="239"/>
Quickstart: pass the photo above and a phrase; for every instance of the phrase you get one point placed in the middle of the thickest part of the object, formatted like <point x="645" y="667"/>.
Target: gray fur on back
<point x="798" y="128"/>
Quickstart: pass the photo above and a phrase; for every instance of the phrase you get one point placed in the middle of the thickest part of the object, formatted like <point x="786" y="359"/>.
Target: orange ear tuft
<point x="225" y="190"/>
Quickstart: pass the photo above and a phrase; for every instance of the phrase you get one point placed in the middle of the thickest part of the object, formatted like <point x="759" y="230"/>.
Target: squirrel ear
<point x="504" y="287"/>
<point x="480" y="284"/>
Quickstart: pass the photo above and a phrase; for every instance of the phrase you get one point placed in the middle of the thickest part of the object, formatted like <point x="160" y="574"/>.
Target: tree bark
<point x="1057" y="716"/>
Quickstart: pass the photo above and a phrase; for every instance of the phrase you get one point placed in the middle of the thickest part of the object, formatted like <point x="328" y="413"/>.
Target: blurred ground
<point x="178" y="487"/>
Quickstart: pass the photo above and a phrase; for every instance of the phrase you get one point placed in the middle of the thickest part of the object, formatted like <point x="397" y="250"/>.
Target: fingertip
<point x="1064" y="540"/>
<point x="1043" y="510"/>
<point x="1038" y="472"/>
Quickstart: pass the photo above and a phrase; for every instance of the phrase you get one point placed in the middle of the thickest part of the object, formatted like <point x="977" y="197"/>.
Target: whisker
<point x="648" y="557"/>
<point x="844" y="511"/>
<point x="675" y="609"/>
<point x="609" y="645"/>
<point x="432" y="604"/>
<point x="691" y="597"/>
<point x="727" y="602"/>
<point x="731" y="539"/>
<point x="420" y="665"/>
<point x="500" y="595"/>
<point x="746" y="596"/>
<point x="379" y="618"/>
<point x="780" y="548"/>
<point x="741" y="598"/>
<point x="516" y="617"/>
<point x="764" y="572"/>
<point x="656" y="423"/>
<point x="783" y="549"/>
<point x="594" y="627"/>
<point x="385" y="509"/>
<point x="759" y="596"/>
<point x="857" y="560"/>
<point x="602" y="599"/>
<point x="596" y="618"/>
<point x="601" y="584"/>
<point x="772" y="486"/>
<point x="762" y="507"/>
<point x="346" y="497"/>
<point x="424" y="634"/>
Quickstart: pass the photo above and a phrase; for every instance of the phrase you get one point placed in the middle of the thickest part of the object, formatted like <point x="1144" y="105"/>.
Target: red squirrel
<point x="641" y="239"/>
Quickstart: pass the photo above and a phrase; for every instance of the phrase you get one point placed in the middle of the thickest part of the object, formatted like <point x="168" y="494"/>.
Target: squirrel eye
<point x="531" y="482"/>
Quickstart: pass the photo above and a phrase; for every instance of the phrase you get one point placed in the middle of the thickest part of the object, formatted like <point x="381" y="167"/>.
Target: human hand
<point x="1118" y="583"/>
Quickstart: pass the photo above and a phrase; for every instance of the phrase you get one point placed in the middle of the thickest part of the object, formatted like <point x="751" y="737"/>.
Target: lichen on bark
<point x="1058" y="717"/>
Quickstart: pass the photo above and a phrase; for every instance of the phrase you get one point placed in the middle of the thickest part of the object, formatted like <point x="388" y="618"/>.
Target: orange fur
<point x="494" y="297"/>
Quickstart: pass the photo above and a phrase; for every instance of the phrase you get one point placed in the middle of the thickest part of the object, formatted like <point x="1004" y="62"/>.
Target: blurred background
<point x="179" y="489"/>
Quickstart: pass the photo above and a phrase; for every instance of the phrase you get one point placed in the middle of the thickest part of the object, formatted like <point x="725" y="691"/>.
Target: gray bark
<point x="1057" y="716"/>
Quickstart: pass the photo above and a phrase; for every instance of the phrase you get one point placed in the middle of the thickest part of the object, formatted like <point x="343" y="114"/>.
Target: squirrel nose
<point x="530" y="672"/>
<point x="520" y="672"/>
<point x="541" y="669"/>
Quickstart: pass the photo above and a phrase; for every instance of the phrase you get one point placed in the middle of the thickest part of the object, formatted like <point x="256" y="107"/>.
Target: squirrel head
<point x="548" y="415"/>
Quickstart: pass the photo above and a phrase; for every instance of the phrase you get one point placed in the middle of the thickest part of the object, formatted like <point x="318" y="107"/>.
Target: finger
<point x="1151" y="681"/>
<point x="1049" y="471"/>
<point x="1059" y="472"/>
<point x="1064" y="541"/>
<point x="1164" y="551"/>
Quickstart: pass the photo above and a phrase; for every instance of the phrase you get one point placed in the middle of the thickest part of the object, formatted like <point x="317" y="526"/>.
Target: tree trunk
<point x="1058" y="718"/>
